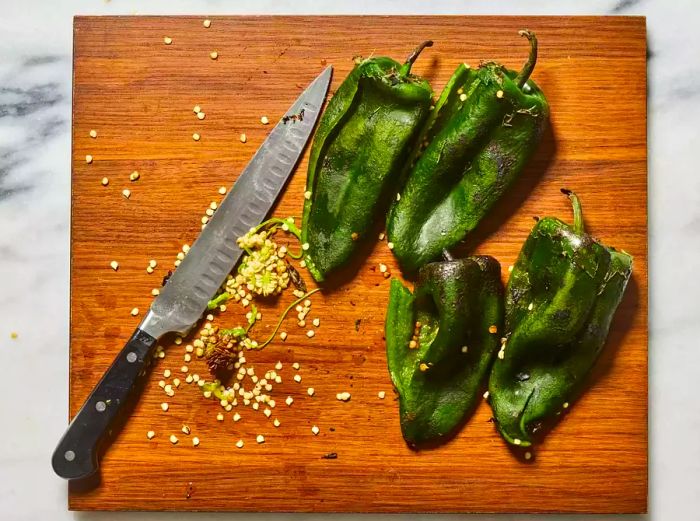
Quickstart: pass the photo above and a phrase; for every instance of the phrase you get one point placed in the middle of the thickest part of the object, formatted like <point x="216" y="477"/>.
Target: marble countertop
<point x="35" y="112"/>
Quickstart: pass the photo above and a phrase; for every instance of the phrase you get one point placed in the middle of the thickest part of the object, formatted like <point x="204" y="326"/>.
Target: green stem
<point x="292" y="228"/>
<point x="529" y="66"/>
<point x="406" y="67"/>
<point x="218" y="300"/>
<point x="578" y="211"/>
<point x="284" y="315"/>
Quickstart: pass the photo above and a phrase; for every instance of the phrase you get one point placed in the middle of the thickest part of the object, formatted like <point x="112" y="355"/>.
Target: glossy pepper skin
<point x="450" y="317"/>
<point x="362" y="143"/>
<point x="485" y="127"/>
<point x="561" y="297"/>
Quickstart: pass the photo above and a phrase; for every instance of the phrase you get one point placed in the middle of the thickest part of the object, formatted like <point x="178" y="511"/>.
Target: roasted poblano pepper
<point x="477" y="140"/>
<point x="365" y="136"/>
<point x="440" y="341"/>
<point x="561" y="297"/>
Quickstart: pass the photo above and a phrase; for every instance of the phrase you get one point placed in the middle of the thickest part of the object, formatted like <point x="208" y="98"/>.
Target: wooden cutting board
<point x="138" y="94"/>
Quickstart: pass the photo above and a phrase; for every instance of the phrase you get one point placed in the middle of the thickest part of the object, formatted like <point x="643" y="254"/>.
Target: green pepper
<point x="561" y="297"/>
<point x="483" y="129"/>
<point x="362" y="143"/>
<point x="440" y="341"/>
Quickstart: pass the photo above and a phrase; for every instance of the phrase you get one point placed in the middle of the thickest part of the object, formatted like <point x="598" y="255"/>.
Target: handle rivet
<point x="69" y="455"/>
<point x="131" y="357"/>
<point x="100" y="406"/>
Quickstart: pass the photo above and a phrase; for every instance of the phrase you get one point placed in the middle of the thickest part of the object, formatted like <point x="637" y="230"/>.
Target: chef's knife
<point x="201" y="273"/>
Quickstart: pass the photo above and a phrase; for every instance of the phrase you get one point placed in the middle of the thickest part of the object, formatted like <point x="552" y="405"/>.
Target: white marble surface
<point x="35" y="92"/>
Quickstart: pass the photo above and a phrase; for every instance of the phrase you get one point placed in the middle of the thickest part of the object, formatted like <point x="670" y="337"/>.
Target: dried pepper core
<point x="485" y="127"/>
<point x="561" y="298"/>
<point x="362" y="143"/>
<point x="437" y="380"/>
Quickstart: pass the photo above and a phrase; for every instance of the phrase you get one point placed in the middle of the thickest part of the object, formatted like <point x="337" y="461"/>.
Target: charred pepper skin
<point x="364" y="138"/>
<point x="483" y="130"/>
<point x="561" y="297"/>
<point x="439" y="381"/>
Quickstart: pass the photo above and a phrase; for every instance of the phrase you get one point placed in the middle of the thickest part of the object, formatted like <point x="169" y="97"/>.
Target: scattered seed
<point x="176" y="382"/>
<point x="93" y="134"/>
<point x="462" y="97"/>
<point x="276" y="422"/>
<point x="201" y="115"/>
<point x="315" y="430"/>
<point x="307" y="195"/>
<point x="381" y="236"/>
<point x="316" y="322"/>
<point x="222" y="190"/>
<point x="134" y="312"/>
<point x="105" y="181"/>
<point x="150" y="435"/>
<point x="243" y="138"/>
<point x="297" y="378"/>
<point x="343" y="397"/>
<point x="134" y="176"/>
<point x="173" y="439"/>
<point x="510" y="269"/>
<point x="283" y="335"/>
<point x="530" y="306"/>
<point x="260" y="438"/>
<point x="310" y="391"/>
<point x="115" y="265"/>
<point x="164" y="406"/>
<point x="310" y="333"/>
<point x="528" y="455"/>
<point x="195" y="441"/>
<point x="167" y="40"/>
<point x="186" y="429"/>
<point x="88" y="159"/>
<point x="239" y="444"/>
<point x="423" y="367"/>
<point x="296" y="365"/>
<point x="381" y="395"/>
<point x="566" y="405"/>
<point x="499" y="94"/>
<point x="220" y="417"/>
<point x="493" y="329"/>
<point x="516" y="441"/>
<point x="289" y="401"/>
<point x="196" y="136"/>
<point x="305" y="246"/>
<point x="486" y="395"/>
<point x="126" y="193"/>
<point x="390" y="245"/>
<point x="206" y="23"/>
<point x="264" y="120"/>
<point x="213" y="55"/>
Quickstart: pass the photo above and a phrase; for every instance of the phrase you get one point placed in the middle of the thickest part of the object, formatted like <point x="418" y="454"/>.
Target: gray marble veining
<point x="35" y="87"/>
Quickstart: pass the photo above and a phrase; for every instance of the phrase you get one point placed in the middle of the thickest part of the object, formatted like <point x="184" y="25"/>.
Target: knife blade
<point x="201" y="273"/>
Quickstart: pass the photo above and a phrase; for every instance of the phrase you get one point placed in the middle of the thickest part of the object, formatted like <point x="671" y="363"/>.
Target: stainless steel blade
<point x="214" y="254"/>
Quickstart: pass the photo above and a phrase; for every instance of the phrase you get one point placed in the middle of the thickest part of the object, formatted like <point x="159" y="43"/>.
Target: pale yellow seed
<point x="173" y="439"/>
<point x="307" y="195"/>
<point x="510" y="269"/>
<point x="222" y="190"/>
<point x="164" y="406"/>
<point x="315" y="430"/>
<point x="239" y="444"/>
<point x="206" y="23"/>
<point x="220" y="417"/>
<point x="390" y="245"/>
<point x="93" y="134"/>
<point x="566" y="405"/>
<point x="114" y="265"/>
<point x="126" y="193"/>
<point x="186" y="429"/>
<point x="289" y="401"/>
<point x="310" y="391"/>
<point x="166" y="373"/>
<point x="462" y="97"/>
<point x="381" y="395"/>
<point x="243" y="138"/>
<point x="486" y="395"/>
<point x="381" y="236"/>
<point x="149" y="270"/>
<point x="162" y="384"/>
<point x="196" y="136"/>
<point x="310" y="333"/>
<point x="105" y="181"/>
<point x="264" y="120"/>
<point x="499" y="94"/>
<point x="167" y="40"/>
<point x="134" y="312"/>
<point x="150" y="435"/>
<point x="276" y="422"/>
<point x="213" y="55"/>
<point x="382" y="268"/>
<point x="423" y="367"/>
<point x="195" y="441"/>
<point x="283" y="335"/>
<point x="176" y="382"/>
<point x="88" y="159"/>
<point x="260" y="438"/>
<point x="516" y="441"/>
<point x="305" y="246"/>
<point x="528" y="455"/>
<point x="155" y="292"/>
<point x="134" y="176"/>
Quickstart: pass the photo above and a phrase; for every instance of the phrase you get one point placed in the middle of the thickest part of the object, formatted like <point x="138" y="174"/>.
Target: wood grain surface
<point x="138" y="94"/>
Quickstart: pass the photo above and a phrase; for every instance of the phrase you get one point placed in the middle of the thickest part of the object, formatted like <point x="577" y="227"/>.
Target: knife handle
<point x="76" y="456"/>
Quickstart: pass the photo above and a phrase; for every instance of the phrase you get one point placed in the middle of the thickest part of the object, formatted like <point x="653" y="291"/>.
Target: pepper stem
<point x="578" y="211"/>
<point x="529" y="66"/>
<point x="406" y="68"/>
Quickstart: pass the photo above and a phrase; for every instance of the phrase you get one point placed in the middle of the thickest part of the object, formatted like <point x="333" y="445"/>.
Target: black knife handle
<point x="76" y="456"/>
